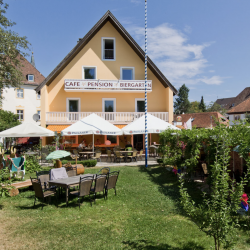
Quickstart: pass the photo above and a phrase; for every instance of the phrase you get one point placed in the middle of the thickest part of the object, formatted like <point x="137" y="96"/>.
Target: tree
<point x="182" y="104"/>
<point x="215" y="107"/>
<point x="202" y="105"/>
<point x="194" y="107"/>
<point x="8" y="120"/>
<point x="11" y="54"/>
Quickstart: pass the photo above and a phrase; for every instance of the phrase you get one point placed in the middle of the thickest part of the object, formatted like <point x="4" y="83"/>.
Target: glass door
<point x="109" y="106"/>
<point x="73" y="107"/>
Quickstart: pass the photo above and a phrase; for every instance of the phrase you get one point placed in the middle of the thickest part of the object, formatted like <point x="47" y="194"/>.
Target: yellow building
<point x="104" y="74"/>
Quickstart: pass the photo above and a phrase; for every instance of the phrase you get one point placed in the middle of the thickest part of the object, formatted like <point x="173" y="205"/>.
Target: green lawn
<point x="145" y="214"/>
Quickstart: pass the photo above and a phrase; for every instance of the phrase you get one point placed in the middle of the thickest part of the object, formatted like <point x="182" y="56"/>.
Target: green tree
<point x="11" y="54"/>
<point x="215" y="107"/>
<point x="182" y="104"/>
<point x="8" y="120"/>
<point x="202" y="105"/>
<point x="194" y="107"/>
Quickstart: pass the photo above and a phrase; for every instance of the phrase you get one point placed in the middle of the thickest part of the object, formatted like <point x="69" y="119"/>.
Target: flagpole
<point x="146" y="101"/>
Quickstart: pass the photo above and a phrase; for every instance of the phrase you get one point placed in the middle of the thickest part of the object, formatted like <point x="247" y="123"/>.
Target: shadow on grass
<point x="168" y="184"/>
<point x="145" y="244"/>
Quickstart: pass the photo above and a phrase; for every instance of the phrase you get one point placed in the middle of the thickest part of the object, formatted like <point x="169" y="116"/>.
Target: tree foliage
<point x="202" y="105"/>
<point x="11" y="52"/>
<point x="182" y="104"/>
<point x="215" y="215"/>
<point x="194" y="107"/>
<point x="8" y="120"/>
<point x="215" y="107"/>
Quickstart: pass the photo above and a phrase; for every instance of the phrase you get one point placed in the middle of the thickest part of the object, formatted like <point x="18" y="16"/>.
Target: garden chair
<point x="111" y="182"/>
<point x="119" y="156"/>
<point x="71" y="171"/>
<point x="109" y="155"/>
<point x="43" y="176"/>
<point x="133" y="156"/>
<point x="41" y="193"/>
<point x="97" y="156"/>
<point x="100" y="182"/>
<point x="140" y="154"/>
<point x="85" y="185"/>
<point x="104" y="171"/>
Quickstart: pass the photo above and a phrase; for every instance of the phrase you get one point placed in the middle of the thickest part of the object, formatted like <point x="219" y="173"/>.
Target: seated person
<point x="90" y="145"/>
<point x="107" y="142"/>
<point x="98" y="142"/>
<point x="128" y="145"/>
<point x="82" y="145"/>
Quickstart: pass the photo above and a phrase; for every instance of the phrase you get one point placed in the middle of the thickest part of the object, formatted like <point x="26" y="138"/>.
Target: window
<point x="108" y="105"/>
<point x="31" y="78"/>
<point x="20" y="114"/>
<point x="112" y="138"/>
<point x="73" y="105"/>
<point x="108" y="48"/>
<point x="139" y="105"/>
<point x="127" y="73"/>
<point x="89" y="73"/>
<point x="38" y="96"/>
<point x="39" y="113"/>
<point x="19" y="93"/>
<point x="236" y="117"/>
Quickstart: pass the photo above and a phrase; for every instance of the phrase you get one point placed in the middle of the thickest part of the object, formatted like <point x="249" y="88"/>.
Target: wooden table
<point x="86" y="153"/>
<point x="67" y="182"/>
<point x="125" y="152"/>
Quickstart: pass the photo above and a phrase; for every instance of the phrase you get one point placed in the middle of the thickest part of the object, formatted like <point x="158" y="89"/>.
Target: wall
<point x="30" y="104"/>
<point x="159" y="100"/>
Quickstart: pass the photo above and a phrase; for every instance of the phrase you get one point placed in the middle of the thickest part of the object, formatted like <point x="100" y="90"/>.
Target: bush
<point x="32" y="164"/>
<point x="85" y="163"/>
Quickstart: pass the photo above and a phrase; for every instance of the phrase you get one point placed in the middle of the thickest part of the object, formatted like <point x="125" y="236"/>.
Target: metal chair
<point x="41" y="193"/>
<point x="97" y="156"/>
<point x="140" y="154"/>
<point x="85" y="185"/>
<point x="133" y="156"/>
<point x="119" y="156"/>
<point x="111" y="182"/>
<point x="43" y="176"/>
<point x="71" y="171"/>
<point x="103" y="171"/>
<point x="100" y="182"/>
<point x="109" y="155"/>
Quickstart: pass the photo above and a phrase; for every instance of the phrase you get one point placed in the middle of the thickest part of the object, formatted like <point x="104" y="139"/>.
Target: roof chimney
<point x="32" y="61"/>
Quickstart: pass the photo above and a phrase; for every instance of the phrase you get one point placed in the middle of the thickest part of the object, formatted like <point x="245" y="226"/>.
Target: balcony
<point x="113" y="117"/>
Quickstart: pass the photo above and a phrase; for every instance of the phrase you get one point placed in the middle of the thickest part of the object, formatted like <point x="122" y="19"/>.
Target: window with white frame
<point x="127" y="73"/>
<point x="20" y="114"/>
<point x="89" y="72"/>
<point x="108" y="104"/>
<point x="108" y="48"/>
<point x="236" y="117"/>
<point x="139" y="105"/>
<point x="19" y="93"/>
<point x="31" y="78"/>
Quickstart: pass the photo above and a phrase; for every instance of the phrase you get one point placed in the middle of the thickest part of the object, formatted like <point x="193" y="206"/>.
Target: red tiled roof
<point x="243" y="107"/>
<point x="28" y="69"/>
<point x="203" y="120"/>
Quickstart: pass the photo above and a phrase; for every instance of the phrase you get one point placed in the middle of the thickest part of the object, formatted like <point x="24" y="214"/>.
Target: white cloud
<point x="187" y="29"/>
<point x="214" y="80"/>
<point x="135" y="1"/>
<point x="180" y="61"/>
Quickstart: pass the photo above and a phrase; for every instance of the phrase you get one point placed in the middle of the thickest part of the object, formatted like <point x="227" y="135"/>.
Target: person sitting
<point x="128" y="145"/>
<point x="98" y="142"/>
<point x="107" y="142"/>
<point x="82" y="145"/>
<point x="90" y="145"/>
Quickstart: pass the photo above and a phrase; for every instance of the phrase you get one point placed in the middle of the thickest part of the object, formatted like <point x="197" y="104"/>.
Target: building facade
<point x="24" y="101"/>
<point x="104" y="74"/>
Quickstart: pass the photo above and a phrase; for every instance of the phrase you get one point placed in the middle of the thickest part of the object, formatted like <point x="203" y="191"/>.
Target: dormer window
<point x="31" y="78"/>
<point x="108" y="48"/>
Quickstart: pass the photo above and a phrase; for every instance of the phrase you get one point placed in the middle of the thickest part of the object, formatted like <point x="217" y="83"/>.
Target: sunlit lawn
<point x="145" y="214"/>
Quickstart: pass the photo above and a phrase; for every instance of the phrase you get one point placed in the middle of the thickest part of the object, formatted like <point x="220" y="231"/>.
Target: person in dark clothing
<point x="128" y="145"/>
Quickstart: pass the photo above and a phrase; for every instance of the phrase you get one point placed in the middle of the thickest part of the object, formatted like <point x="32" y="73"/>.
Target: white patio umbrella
<point x="154" y="126"/>
<point x="92" y="124"/>
<point x="27" y="129"/>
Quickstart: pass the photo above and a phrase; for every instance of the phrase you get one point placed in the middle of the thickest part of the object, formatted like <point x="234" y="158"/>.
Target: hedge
<point x="86" y="163"/>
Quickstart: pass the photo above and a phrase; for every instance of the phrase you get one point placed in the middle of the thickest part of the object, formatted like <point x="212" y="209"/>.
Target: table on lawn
<point x="67" y="182"/>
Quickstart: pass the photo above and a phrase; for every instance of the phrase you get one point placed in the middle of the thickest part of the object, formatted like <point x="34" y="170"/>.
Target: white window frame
<point x="138" y="99"/>
<point x="73" y="99"/>
<point x="133" y="74"/>
<point x="108" y="99"/>
<point x="20" y="114"/>
<point x="19" y="93"/>
<point x="31" y="80"/>
<point x="89" y="67"/>
<point x="110" y="38"/>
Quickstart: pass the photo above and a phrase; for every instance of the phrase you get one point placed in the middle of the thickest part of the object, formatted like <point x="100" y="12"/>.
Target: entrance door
<point x="73" y="107"/>
<point x="109" y="106"/>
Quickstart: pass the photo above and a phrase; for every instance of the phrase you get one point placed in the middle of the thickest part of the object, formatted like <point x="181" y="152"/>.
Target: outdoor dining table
<point x="86" y="153"/>
<point x="67" y="182"/>
<point x="125" y="153"/>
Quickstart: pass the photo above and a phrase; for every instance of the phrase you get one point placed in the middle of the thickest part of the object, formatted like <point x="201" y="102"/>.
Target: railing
<point x="113" y="117"/>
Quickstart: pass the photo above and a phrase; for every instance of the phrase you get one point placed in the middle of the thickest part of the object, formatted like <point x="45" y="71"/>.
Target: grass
<point x="145" y="214"/>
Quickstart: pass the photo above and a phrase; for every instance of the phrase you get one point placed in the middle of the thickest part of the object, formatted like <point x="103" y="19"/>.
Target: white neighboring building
<point x="24" y="101"/>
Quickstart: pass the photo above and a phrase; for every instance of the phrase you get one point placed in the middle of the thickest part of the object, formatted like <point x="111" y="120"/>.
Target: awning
<point x="57" y="128"/>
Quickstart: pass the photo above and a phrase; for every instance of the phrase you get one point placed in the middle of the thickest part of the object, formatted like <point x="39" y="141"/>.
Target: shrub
<point x="32" y="164"/>
<point x="85" y="163"/>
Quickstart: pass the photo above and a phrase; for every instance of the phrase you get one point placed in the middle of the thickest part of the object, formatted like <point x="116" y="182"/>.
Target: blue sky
<point x="204" y="44"/>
